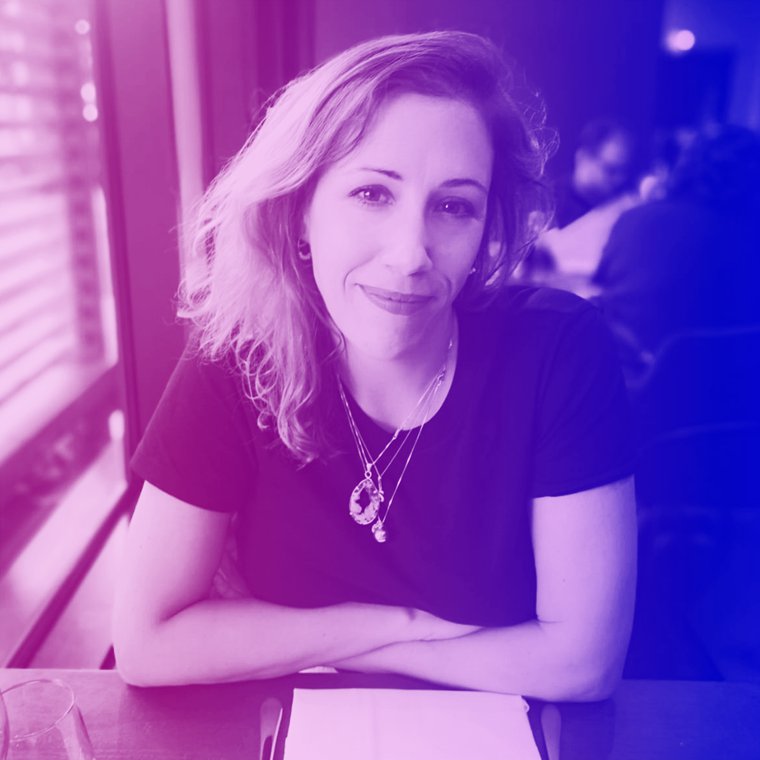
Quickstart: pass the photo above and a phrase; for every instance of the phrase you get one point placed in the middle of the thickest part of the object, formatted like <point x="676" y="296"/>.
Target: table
<point x="645" y="720"/>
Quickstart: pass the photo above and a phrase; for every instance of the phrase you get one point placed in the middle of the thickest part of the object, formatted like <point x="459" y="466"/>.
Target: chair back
<point x="697" y="415"/>
<point x="698" y="489"/>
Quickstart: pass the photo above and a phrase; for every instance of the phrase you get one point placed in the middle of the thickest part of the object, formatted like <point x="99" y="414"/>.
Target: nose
<point x="409" y="245"/>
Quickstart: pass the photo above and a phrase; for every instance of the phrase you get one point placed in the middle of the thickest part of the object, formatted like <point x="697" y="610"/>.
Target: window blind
<point x="51" y="253"/>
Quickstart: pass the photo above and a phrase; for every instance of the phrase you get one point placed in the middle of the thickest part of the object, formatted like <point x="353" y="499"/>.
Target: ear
<point x="305" y="224"/>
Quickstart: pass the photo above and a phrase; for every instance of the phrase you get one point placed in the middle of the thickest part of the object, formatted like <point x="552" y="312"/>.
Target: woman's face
<point x="395" y="226"/>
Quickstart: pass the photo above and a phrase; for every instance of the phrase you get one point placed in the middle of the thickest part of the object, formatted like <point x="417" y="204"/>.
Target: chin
<point x="382" y="335"/>
<point x="384" y="345"/>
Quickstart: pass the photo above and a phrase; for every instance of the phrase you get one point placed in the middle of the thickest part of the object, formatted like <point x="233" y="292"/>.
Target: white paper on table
<point x="393" y="724"/>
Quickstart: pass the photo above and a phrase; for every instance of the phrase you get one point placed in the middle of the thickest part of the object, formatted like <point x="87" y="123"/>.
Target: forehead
<point x="423" y="133"/>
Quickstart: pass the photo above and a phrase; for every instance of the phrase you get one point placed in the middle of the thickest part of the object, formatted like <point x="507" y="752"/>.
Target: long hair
<point x="245" y="287"/>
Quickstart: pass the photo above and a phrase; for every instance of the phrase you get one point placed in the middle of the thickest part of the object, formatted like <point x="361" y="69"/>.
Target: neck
<point x="388" y="390"/>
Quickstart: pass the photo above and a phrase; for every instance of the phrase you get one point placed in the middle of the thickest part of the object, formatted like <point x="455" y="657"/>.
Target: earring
<point x="472" y="271"/>
<point x="304" y="251"/>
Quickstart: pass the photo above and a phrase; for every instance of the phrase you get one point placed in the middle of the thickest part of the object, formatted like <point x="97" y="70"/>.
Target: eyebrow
<point x="387" y="172"/>
<point x="455" y="182"/>
<point x="458" y="182"/>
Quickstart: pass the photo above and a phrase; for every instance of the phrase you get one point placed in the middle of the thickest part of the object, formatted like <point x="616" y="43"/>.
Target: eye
<point x="457" y="207"/>
<point x="372" y="195"/>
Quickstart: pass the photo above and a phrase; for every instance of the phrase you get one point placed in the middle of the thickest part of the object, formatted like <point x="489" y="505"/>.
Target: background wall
<point x="590" y="58"/>
<point x="731" y="27"/>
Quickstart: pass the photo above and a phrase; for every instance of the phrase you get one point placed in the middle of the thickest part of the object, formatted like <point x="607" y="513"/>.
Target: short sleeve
<point x="584" y="436"/>
<point x="197" y="446"/>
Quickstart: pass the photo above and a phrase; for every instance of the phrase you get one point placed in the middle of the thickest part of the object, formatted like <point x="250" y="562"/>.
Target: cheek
<point x="341" y="247"/>
<point x="326" y="276"/>
<point x="333" y="261"/>
<point x="330" y="289"/>
<point x="458" y="249"/>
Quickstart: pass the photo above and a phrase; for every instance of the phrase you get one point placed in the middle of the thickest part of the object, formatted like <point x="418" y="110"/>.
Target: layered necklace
<point x="367" y="499"/>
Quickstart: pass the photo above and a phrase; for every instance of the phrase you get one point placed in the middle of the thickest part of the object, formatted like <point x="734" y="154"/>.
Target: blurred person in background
<point x="588" y="201"/>
<point x="690" y="259"/>
<point x="679" y="288"/>
<point x="603" y="169"/>
<point x="428" y="467"/>
<point x="667" y="149"/>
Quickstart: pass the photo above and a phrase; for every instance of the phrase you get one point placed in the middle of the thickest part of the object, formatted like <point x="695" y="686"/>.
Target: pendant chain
<point x="378" y="529"/>
<point x="368" y="462"/>
<point x="370" y="488"/>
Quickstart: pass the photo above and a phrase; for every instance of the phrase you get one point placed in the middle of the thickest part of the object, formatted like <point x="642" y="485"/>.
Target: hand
<point x="425" y="628"/>
<point x="428" y="627"/>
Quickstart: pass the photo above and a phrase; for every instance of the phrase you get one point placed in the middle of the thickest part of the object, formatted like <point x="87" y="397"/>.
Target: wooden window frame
<point x="135" y="106"/>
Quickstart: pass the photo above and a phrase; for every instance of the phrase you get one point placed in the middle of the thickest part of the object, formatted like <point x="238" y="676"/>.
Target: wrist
<point x="381" y="625"/>
<point x="428" y="627"/>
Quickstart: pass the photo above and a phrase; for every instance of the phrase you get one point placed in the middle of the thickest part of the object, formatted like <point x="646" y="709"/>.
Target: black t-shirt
<point x="537" y="407"/>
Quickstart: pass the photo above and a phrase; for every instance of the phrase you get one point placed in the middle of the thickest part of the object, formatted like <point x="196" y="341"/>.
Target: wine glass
<point x="44" y="722"/>
<point x="3" y="730"/>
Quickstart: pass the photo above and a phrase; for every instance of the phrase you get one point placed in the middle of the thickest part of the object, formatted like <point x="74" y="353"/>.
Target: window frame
<point x="144" y="120"/>
<point x="137" y="125"/>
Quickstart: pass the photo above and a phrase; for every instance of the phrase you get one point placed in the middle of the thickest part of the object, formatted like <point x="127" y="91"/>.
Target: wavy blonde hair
<point x="245" y="287"/>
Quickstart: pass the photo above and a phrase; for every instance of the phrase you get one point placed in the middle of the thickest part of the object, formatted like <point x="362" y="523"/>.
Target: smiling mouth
<point x="396" y="302"/>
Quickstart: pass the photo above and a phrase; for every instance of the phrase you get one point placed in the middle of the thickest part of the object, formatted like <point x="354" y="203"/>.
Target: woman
<point x="428" y="468"/>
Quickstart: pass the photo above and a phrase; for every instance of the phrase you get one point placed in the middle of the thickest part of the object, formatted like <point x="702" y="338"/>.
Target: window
<point x="91" y="126"/>
<point x="60" y="407"/>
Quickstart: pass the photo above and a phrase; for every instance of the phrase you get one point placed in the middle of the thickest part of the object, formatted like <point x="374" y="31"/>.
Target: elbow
<point x="132" y="676"/>
<point x="132" y="665"/>
<point x="142" y="651"/>
<point x="129" y="670"/>
<point x="582" y="669"/>
<point x="594" y="680"/>
<point x="135" y="654"/>
<point x="595" y="687"/>
<point x="137" y="669"/>
<point x="593" y="665"/>
<point x="129" y="649"/>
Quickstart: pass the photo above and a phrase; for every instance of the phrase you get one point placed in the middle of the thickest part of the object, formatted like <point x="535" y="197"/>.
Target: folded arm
<point x="166" y="629"/>
<point x="585" y="552"/>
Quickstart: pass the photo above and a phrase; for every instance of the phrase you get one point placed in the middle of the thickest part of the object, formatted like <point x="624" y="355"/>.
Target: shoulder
<point x="532" y="311"/>
<point x="218" y="369"/>
<point x="534" y="328"/>
<point x="540" y="302"/>
<point x="202" y="381"/>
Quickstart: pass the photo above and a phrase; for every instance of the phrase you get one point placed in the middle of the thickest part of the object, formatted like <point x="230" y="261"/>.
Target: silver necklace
<point x="368" y="495"/>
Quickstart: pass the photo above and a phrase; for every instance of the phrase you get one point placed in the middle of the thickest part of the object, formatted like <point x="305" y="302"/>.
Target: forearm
<point x="532" y="659"/>
<point x="219" y="640"/>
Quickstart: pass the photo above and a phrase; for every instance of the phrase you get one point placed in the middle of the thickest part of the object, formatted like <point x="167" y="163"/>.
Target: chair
<point x="697" y="412"/>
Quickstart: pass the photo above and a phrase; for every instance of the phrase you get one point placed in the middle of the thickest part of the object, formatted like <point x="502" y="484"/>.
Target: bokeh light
<point x="680" y="40"/>
<point x="87" y="92"/>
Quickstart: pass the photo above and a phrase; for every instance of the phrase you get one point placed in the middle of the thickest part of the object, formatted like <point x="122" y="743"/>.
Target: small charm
<point x="365" y="501"/>
<point x="378" y="531"/>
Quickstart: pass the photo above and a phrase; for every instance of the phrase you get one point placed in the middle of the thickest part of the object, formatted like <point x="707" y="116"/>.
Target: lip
<point x="396" y="302"/>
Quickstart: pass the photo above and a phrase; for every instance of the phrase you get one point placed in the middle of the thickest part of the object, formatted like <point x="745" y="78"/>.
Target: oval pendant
<point x="364" y="502"/>
<point x="378" y="531"/>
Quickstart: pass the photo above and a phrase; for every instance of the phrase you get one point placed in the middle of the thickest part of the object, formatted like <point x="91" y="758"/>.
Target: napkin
<point x="392" y="724"/>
